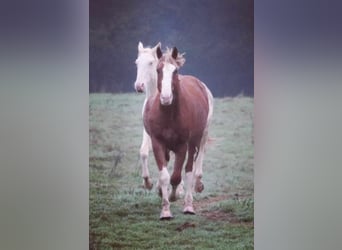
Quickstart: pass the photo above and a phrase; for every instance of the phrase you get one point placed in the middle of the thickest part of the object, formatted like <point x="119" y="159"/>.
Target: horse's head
<point x="146" y="62"/>
<point x="167" y="78"/>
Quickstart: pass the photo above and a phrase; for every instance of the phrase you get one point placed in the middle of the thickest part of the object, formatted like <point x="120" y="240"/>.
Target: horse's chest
<point x="172" y="136"/>
<point x="169" y="134"/>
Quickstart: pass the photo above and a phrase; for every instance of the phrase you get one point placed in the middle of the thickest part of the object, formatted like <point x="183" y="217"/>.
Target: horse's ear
<point x="159" y="53"/>
<point x="158" y="50"/>
<point x="140" y="46"/>
<point x="174" y="53"/>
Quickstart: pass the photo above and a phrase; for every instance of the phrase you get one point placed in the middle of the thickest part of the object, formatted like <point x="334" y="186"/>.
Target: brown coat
<point x="177" y="127"/>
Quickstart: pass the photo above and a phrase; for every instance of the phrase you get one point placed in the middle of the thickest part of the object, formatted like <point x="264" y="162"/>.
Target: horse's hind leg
<point x="144" y="151"/>
<point x="198" y="171"/>
<point x="188" y="199"/>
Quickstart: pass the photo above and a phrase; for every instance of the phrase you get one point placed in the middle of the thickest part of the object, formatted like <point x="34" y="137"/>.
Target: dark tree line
<point x="216" y="35"/>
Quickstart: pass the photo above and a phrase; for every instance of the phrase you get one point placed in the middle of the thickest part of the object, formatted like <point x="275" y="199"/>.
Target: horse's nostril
<point x="140" y="88"/>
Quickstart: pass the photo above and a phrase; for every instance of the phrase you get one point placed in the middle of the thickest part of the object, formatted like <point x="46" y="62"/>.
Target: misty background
<point x="217" y="37"/>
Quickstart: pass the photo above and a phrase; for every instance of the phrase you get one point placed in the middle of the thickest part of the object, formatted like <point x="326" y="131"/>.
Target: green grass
<point x="123" y="215"/>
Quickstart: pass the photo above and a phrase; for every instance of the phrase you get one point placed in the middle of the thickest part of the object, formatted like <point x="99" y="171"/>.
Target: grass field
<point x="123" y="215"/>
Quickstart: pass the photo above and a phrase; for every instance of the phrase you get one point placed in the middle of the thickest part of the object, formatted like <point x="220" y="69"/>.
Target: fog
<point x="217" y="37"/>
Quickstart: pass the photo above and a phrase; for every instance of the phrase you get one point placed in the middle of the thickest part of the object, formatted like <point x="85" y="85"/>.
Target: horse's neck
<point x="172" y="110"/>
<point x="152" y="87"/>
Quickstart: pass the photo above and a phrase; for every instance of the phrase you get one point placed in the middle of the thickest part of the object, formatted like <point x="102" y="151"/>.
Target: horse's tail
<point x="211" y="141"/>
<point x="210" y="103"/>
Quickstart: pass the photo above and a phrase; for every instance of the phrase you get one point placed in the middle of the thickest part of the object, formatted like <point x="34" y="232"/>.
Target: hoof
<point x="199" y="187"/>
<point x="148" y="183"/>
<point x="165" y="215"/>
<point x="189" y="210"/>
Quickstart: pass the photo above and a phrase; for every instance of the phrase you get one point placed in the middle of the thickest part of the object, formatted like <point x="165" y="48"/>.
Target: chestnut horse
<point x="146" y="81"/>
<point x="177" y="117"/>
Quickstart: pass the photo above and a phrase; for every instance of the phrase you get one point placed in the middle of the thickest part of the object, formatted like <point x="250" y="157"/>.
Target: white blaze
<point x="166" y="88"/>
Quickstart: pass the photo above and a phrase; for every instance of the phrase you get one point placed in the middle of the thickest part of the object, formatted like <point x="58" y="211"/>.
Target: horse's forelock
<point x="178" y="62"/>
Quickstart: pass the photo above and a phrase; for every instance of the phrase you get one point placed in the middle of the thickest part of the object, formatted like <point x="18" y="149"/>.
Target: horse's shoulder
<point x="192" y="83"/>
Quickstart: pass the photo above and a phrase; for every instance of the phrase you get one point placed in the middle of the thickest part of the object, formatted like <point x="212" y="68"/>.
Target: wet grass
<point x="123" y="215"/>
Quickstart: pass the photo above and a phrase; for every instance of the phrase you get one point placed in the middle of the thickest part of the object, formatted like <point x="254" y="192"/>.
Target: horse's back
<point x="194" y="90"/>
<point x="194" y="101"/>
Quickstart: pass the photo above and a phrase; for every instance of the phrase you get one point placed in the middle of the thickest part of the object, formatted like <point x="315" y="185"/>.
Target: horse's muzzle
<point x="166" y="100"/>
<point x="140" y="88"/>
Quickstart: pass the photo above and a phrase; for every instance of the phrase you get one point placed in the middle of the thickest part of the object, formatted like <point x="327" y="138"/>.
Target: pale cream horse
<point x="146" y="81"/>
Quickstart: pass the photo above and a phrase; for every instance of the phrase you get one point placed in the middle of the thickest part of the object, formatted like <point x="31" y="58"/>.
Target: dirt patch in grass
<point x="92" y="241"/>
<point x="202" y="206"/>
<point x="185" y="226"/>
<point x="205" y="202"/>
<point x="219" y="216"/>
<point x="203" y="209"/>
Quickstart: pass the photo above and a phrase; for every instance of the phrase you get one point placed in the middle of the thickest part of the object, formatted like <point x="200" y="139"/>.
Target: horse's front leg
<point x="164" y="178"/>
<point x="176" y="177"/>
<point x="144" y="152"/>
